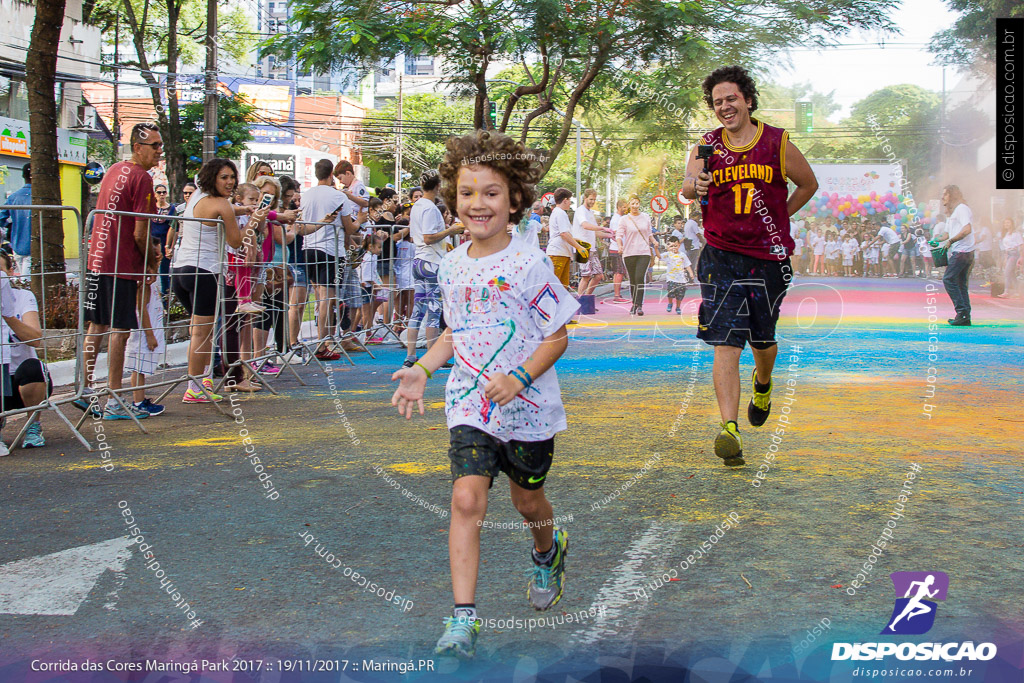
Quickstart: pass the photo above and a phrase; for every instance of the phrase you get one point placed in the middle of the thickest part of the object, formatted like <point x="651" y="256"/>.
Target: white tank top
<point x="200" y="244"/>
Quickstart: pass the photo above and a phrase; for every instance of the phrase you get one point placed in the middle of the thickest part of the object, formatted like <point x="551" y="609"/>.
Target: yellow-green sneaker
<point x="459" y="638"/>
<point x="760" y="404"/>
<point x="729" y="445"/>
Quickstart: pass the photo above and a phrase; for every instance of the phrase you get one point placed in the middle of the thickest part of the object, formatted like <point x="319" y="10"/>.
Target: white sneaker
<point x="250" y="307"/>
<point x="4" y="450"/>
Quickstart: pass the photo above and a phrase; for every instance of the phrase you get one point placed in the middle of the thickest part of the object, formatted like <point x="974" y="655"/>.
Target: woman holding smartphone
<point x="196" y="267"/>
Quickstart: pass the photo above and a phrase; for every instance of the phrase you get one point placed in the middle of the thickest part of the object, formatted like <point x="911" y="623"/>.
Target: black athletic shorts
<point x="110" y="301"/>
<point x="321" y="267"/>
<point x="740" y="298"/>
<point x="30" y="371"/>
<point x="196" y="289"/>
<point x="476" y="452"/>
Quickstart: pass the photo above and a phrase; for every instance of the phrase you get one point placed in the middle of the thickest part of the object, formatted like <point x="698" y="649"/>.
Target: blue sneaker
<point x="149" y="407"/>
<point x="33" y="436"/>
<point x="545" y="587"/>
<point x="85" y="402"/>
<point x="116" y="412"/>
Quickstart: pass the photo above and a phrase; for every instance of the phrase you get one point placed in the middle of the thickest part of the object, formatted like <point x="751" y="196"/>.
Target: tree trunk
<point x="40" y="77"/>
<point x="170" y="125"/>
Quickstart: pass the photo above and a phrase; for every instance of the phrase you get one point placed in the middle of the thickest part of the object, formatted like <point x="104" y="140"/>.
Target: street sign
<point x="659" y="204"/>
<point x="683" y="200"/>
<point x="548" y="197"/>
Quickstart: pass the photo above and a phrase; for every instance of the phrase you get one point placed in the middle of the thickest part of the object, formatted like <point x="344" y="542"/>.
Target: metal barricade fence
<point x="330" y="283"/>
<point x="112" y="286"/>
<point x="244" y="327"/>
<point x="18" y="304"/>
<point x="109" y="289"/>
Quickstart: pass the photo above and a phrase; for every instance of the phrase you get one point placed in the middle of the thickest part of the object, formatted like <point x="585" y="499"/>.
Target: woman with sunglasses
<point x="257" y="169"/>
<point x="158" y="230"/>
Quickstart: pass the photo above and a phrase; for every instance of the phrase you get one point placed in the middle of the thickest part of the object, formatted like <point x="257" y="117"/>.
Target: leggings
<point x="636" y="268"/>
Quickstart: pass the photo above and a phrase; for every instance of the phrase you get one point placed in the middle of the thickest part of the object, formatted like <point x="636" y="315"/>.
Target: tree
<point x="971" y="40"/>
<point x="41" y="79"/>
<point x="913" y="111"/>
<point x="235" y="116"/>
<point x="155" y="29"/>
<point x="564" y="50"/>
<point x="428" y="119"/>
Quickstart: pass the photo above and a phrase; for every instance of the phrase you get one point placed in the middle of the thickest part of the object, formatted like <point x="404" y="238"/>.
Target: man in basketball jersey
<point x="744" y="269"/>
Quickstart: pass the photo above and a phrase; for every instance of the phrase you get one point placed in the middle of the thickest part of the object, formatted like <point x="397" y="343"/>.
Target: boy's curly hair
<point x="520" y="165"/>
<point x="731" y="74"/>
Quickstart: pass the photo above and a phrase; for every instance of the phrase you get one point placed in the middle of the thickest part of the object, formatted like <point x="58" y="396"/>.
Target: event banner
<point x="858" y="179"/>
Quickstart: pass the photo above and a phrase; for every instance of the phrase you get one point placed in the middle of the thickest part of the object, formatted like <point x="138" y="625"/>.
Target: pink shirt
<point x="635" y="234"/>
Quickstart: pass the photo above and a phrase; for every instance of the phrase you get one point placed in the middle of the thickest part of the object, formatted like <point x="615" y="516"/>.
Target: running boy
<point x="506" y="313"/>
<point x="677" y="275"/>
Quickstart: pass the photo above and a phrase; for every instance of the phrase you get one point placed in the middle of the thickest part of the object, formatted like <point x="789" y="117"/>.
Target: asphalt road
<point x="635" y="471"/>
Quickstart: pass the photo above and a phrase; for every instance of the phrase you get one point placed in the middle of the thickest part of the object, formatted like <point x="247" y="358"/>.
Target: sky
<point x="858" y="70"/>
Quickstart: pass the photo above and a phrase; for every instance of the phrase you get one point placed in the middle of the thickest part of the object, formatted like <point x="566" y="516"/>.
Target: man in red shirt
<point x="744" y="269"/>
<point x="120" y="252"/>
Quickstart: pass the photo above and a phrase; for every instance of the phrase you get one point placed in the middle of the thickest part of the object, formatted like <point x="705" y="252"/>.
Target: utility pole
<point x="942" y="130"/>
<point x="117" y="70"/>
<point x="610" y="199"/>
<point x="210" y="106"/>
<point x="400" y="68"/>
<point x="579" y="164"/>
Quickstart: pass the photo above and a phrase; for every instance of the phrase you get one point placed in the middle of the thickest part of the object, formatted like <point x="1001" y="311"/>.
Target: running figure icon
<point x="916" y="595"/>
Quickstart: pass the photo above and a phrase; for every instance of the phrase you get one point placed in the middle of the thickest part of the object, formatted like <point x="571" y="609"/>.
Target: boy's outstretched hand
<point x="412" y="382"/>
<point x="502" y="388"/>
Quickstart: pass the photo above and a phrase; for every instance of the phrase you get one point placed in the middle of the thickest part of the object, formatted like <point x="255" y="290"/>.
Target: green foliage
<point x="234" y="30"/>
<point x="428" y="120"/>
<point x="672" y="44"/>
<point x="234" y="117"/>
<point x="971" y="39"/>
<point x="101" y="151"/>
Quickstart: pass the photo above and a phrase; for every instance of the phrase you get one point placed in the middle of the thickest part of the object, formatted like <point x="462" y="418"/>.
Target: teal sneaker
<point x="459" y="638"/>
<point x="545" y="587"/>
<point x="33" y="436"/>
<point x="760" y="405"/>
<point x="729" y="445"/>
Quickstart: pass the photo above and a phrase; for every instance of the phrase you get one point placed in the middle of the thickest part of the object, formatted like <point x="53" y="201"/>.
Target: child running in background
<point x="677" y="275"/>
<point x="146" y="344"/>
<point x="506" y="313"/>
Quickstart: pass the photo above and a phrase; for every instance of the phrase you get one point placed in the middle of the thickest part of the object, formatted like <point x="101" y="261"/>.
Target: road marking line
<point x="57" y="584"/>
<point x="622" y="614"/>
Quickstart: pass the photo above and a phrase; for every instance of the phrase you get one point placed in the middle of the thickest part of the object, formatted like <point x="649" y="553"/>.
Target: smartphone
<point x="265" y="201"/>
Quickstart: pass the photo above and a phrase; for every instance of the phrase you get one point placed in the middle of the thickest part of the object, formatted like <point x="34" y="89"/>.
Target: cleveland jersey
<point x="746" y="210"/>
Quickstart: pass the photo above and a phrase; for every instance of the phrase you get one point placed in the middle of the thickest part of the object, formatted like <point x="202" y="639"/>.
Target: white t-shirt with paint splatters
<point x="499" y="308"/>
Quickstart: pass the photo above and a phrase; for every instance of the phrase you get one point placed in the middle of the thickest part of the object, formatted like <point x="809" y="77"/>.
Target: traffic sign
<point x="683" y="200"/>
<point x="548" y="197"/>
<point x="659" y="204"/>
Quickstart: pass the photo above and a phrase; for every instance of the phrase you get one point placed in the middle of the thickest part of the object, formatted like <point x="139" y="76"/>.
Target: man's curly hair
<point x="520" y="165"/>
<point x="731" y="74"/>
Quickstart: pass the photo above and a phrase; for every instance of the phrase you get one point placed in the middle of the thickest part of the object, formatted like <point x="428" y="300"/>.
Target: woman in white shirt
<point x="195" y="270"/>
<point x="1013" y="258"/>
<point x="819" y="255"/>
<point x="30" y="381"/>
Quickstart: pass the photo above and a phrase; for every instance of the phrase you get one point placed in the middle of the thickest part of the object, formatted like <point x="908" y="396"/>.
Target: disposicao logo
<point x="914" y="614"/>
<point x="916" y="592"/>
